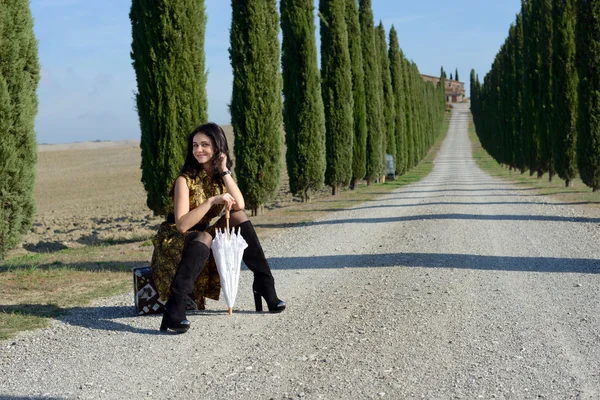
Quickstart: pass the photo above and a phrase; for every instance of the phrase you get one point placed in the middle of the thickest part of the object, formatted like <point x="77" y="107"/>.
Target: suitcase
<point x="145" y="294"/>
<point x="146" y="297"/>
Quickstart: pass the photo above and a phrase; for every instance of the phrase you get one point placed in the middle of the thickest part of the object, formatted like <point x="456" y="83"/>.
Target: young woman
<point x="181" y="264"/>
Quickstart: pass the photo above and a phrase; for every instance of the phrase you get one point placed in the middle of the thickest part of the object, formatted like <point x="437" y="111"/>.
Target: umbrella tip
<point x="230" y="311"/>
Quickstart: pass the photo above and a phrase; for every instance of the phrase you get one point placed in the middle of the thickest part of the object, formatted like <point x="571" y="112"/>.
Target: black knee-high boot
<point x="193" y="259"/>
<point x="254" y="258"/>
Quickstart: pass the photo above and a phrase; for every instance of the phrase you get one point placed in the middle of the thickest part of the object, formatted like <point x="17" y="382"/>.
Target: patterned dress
<point x="169" y="242"/>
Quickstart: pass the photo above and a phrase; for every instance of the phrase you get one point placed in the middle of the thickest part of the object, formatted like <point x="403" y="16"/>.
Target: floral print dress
<point x="169" y="242"/>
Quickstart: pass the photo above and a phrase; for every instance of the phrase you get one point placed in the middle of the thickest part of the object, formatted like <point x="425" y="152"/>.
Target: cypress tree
<point x="532" y="65"/>
<point x="423" y="112"/>
<point x="456" y="75"/>
<point x="512" y="96"/>
<point x="476" y="104"/>
<point x="256" y="105"/>
<point x="417" y="115"/>
<point x="303" y="113"/>
<point x="359" y="143"/>
<point x="477" y="107"/>
<point x="373" y="98"/>
<point x="509" y="97"/>
<point x="408" y="112"/>
<point x="520" y="163"/>
<point x="526" y="133"/>
<point x="546" y="108"/>
<point x="474" y="99"/>
<point x="588" y="63"/>
<point x="168" y="58"/>
<point x="565" y="79"/>
<point x="397" y="75"/>
<point x="451" y="76"/>
<point x="389" y="106"/>
<point x="337" y="93"/>
<point x="19" y="77"/>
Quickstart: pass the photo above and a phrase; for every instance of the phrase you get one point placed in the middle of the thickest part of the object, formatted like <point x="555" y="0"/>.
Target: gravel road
<point x="459" y="286"/>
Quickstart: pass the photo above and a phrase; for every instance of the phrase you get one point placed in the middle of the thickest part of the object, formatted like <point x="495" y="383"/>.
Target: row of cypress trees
<point x="19" y="78"/>
<point x="328" y="135"/>
<point x="538" y="107"/>
<point x="366" y="99"/>
<point x="375" y="101"/>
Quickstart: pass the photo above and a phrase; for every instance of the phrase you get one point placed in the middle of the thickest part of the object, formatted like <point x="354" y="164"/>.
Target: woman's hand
<point x="226" y="199"/>
<point x="222" y="162"/>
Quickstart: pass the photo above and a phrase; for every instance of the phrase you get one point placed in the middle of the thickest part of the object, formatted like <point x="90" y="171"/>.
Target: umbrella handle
<point x="227" y="220"/>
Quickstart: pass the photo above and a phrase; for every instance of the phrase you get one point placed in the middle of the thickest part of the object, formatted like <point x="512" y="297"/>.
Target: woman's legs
<point x="195" y="253"/>
<point x="255" y="260"/>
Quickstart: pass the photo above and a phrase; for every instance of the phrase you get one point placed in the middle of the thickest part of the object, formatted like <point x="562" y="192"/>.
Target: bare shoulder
<point x="181" y="184"/>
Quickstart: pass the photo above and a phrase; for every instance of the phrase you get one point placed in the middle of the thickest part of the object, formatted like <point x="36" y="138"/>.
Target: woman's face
<point x="203" y="148"/>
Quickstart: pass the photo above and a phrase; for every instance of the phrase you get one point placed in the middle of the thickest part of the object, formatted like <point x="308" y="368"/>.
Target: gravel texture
<point x="460" y="286"/>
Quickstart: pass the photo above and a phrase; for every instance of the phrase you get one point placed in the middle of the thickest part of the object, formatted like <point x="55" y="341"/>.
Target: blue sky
<point x="87" y="87"/>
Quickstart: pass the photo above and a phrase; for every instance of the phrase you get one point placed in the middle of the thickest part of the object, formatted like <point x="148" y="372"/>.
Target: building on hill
<point x="455" y="90"/>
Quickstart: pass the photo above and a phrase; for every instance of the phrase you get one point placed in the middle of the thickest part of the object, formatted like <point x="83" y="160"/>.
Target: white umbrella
<point x="228" y="249"/>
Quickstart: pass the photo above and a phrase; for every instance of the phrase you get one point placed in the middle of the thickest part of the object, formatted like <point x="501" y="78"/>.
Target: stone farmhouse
<point x="455" y="90"/>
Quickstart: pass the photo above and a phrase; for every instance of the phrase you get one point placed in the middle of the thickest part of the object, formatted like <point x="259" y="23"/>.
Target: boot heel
<point x="164" y="325"/>
<point x="258" y="302"/>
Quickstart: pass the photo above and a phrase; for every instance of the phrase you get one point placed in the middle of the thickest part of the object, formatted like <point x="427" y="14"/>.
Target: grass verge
<point x="40" y="286"/>
<point x="34" y="295"/>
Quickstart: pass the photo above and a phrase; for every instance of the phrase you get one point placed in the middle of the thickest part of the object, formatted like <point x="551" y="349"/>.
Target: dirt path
<point x="460" y="286"/>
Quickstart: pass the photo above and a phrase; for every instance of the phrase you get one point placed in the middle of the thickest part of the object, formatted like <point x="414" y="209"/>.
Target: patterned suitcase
<point x="146" y="297"/>
<point x="145" y="294"/>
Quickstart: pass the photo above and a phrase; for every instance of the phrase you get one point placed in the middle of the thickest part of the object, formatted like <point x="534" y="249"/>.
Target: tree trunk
<point x="353" y="184"/>
<point x="334" y="190"/>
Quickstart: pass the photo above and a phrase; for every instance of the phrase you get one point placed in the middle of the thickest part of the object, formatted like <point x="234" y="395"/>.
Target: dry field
<point x="89" y="195"/>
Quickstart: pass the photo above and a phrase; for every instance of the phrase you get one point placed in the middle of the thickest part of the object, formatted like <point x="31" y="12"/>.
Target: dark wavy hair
<point x="217" y="136"/>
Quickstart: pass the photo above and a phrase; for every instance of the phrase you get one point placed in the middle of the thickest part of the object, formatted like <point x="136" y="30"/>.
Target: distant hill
<point x="109" y="144"/>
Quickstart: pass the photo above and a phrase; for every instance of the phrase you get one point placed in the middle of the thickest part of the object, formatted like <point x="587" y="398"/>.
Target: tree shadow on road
<point x="112" y="266"/>
<point x="106" y="318"/>
<point x="425" y="217"/>
<point x="466" y="203"/>
<point x="431" y="260"/>
<point x="97" y="318"/>
<point x="506" y="189"/>
<point x="6" y="397"/>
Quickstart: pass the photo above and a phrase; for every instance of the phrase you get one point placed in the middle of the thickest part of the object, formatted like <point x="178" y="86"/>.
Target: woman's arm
<point x="234" y="190"/>
<point x="232" y="187"/>
<point x="184" y="218"/>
